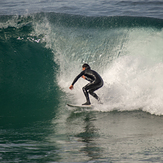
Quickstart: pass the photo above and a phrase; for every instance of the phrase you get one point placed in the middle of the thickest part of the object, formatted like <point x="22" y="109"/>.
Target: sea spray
<point x="128" y="57"/>
<point x="135" y="80"/>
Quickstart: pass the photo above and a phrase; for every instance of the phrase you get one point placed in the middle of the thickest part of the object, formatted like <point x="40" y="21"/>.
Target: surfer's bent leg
<point x="90" y="88"/>
<point x="91" y="92"/>
<point x="85" y="88"/>
<point x="93" y="88"/>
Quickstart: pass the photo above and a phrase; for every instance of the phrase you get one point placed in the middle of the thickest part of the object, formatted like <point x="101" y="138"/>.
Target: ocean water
<point x="43" y="45"/>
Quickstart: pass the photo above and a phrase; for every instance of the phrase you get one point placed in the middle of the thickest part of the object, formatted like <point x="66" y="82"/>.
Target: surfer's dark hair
<point x="86" y="66"/>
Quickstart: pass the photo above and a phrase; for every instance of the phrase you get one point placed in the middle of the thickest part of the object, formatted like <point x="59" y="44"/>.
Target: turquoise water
<point x="40" y="55"/>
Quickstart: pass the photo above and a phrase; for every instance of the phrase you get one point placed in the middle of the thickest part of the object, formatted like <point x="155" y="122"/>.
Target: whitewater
<point x="128" y="58"/>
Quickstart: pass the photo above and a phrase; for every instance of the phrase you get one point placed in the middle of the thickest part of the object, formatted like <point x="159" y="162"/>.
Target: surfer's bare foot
<point x="87" y="103"/>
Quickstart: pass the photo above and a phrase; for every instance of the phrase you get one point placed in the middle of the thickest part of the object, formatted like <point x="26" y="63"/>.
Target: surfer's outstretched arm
<point x="75" y="80"/>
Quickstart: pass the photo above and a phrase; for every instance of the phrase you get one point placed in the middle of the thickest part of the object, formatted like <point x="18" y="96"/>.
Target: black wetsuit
<point x="96" y="82"/>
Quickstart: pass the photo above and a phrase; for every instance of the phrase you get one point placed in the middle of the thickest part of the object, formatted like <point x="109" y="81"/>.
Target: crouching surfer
<point x="95" y="79"/>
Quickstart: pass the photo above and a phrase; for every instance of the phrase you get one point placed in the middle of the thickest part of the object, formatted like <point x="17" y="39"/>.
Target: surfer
<point x="95" y="79"/>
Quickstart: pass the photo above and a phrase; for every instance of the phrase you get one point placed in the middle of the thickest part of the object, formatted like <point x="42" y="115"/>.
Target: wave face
<point x="27" y="76"/>
<point x="42" y="53"/>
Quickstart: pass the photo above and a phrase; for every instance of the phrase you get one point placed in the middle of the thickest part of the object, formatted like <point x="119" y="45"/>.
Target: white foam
<point x="134" y="81"/>
<point x="129" y="60"/>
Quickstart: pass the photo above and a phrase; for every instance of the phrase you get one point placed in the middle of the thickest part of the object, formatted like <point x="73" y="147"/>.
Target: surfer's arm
<point x="75" y="80"/>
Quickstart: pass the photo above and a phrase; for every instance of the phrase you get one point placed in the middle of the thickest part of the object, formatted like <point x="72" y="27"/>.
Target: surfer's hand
<point x="83" y="77"/>
<point x="71" y="87"/>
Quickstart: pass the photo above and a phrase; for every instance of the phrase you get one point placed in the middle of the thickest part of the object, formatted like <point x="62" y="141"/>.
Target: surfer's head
<point x="85" y="66"/>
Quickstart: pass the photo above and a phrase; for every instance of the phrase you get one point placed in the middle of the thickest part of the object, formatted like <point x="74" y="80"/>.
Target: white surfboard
<point x="80" y="106"/>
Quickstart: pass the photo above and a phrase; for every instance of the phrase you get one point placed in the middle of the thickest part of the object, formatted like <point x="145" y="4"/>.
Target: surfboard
<point x="80" y="106"/>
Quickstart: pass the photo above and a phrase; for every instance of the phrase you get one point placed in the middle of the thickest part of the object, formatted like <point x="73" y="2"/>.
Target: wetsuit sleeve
<point x="75" y="80"/>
